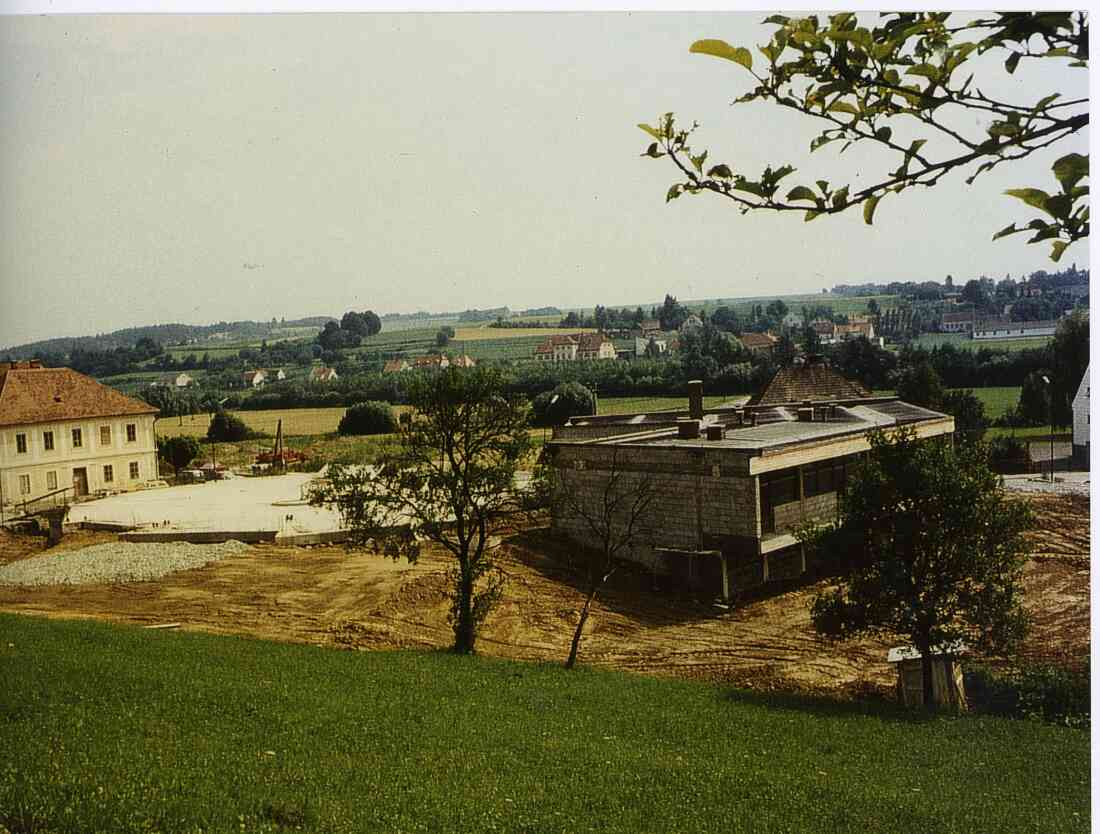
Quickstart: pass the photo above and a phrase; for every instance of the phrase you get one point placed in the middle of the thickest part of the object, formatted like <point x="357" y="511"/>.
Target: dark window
<point x="78" y="439"/>
<point x="131" y="432"/>
<point x="47" y="441"/>
<point x="776" y="490"/>
<point x="21" y="444"/>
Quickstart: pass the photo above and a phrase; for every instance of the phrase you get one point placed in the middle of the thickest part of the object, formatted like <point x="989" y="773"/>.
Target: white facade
<point x="1081" y="423"/>
<point x="1012" y="330"/>
<point x="88" y="455"/>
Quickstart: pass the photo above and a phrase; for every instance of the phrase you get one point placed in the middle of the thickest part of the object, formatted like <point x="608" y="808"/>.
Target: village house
<point x="650" y="326"/>
<point x="641" y="344"/>
<point x="576" y="347"/>
<point x="956" y="322"/>
<point x="277" y="374"/>
<point x="254" y="379"/>
<point x="825" y="330"/>
<point x="433" y="361"/>
<point x="1001" y="329"/>
<point x="174" y="381"/>
<point x="1081" y="424"/>
<point x="61" y="430"/>
<point x="734" y="483"/>
<point x="463" y="361"/>
<point x="692" y="324"/>
<point x="395" y="366"/>
<point x="322" y="374"/>
<point x="758" y="342"/>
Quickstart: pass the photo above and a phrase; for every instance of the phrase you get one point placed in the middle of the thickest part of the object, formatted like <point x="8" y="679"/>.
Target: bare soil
<point x="327" y="596"/>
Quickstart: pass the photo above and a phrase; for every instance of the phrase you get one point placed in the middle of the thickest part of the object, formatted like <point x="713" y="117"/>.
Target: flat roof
<point x="777" y="426"/>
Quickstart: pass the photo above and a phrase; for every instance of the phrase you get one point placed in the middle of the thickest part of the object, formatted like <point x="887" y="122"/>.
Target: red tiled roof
<point x="592" y="341"/>
<point x="812" y="381"/>
<point x="30" y="394"/>
<point x="758" y="340"/>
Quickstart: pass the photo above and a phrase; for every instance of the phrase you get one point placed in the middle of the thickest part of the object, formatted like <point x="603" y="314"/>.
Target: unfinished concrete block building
<point x="732" y="483"/>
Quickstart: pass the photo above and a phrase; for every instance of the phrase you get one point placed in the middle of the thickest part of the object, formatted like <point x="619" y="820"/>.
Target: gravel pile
<point x="115" y="562"/>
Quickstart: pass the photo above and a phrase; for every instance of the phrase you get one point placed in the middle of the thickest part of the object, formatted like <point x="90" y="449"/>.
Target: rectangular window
<point x="24" y="484"/>
<point x="21" y="444"/>
<point x="134" y="470"/>
<point x="51" y="480"/>
<point x="131" y="432"/>
<point x="104" y="435"/>
<point x="78" y="439"/>
<point x="47" y="441"/>
<point x="108" y="473"/>
<point x="775" y="491"/>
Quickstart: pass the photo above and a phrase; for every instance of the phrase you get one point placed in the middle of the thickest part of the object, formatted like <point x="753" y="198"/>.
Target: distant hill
<point x="166" y="334"/>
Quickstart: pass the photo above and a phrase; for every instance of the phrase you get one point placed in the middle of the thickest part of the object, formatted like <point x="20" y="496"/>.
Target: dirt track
<point x="329" y="597"/>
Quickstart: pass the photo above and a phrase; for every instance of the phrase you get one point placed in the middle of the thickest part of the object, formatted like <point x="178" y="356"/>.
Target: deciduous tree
<point x="894" y="86"/>
<point x="448" y="480"/>
<point x="933" y="550"/>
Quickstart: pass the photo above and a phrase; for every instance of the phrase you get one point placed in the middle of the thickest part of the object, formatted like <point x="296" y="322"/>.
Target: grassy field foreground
<point x="114" y="729"/>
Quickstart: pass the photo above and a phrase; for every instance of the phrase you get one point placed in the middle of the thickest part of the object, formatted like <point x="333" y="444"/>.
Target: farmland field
<point x="959" y="340"/>
<point x="486" y="332"/>
<point x="296" y="421"/>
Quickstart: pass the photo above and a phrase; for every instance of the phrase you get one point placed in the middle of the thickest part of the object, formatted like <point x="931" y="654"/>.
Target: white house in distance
<point x="576" y="347"/>
<point x="175" y="381"/>
<point x="254" y="379"/>
<point x="1000" y="329"/>
<point x="1081" y="424"/>
<point x="322" y="374"/>
<point x="59" y="428"/>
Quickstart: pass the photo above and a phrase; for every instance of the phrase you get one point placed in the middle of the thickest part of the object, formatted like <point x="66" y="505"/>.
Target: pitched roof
<point x="556" y="341"/>
<point x="863" y="328"/>
<point x="321" y="373"/>
<point x="810" y="380"/>
<point x="30" y="393"/>
<point x="394" y="365"/>
<point x="592" y="341"/>
<point x="823" y="328"/>
<point x="757" y="340"/>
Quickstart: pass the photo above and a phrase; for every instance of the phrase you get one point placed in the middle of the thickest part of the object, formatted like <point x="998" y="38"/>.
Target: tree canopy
<point x="896" y="86"/>
<point x="933" y="550"/>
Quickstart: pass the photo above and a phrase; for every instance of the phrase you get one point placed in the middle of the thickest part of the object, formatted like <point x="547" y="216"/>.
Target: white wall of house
<point x="1081" y="420"/>
<point x="1012" y="331"/>
<point x="30" y="473"/>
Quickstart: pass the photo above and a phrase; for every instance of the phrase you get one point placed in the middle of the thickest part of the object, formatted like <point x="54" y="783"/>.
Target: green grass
<point x="636" y="405"/>
<point x="959" y="340"/>
<point x="116" y="729"/>
<point x="997" y="400"/>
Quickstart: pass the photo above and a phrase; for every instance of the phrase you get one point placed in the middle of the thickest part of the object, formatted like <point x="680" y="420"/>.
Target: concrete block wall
<point x="700" y="495"/>
<point x="788" y="517"/>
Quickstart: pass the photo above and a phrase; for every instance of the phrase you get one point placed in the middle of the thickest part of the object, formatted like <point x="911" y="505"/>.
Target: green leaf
<point x="778" y="19"/>
<point x="840" y="198"/>
<point x="1058" y="206"/>
<point x="925" y="71"/>
<point x="722" y="171"/>
<point x="699" y="161"/>
<point x="721" y="49"/>
<point x="824" y="186"/>
<point x="652" y="151"/>
<point x="869" y="208"/>
<point x="1056" y="250"/>
<point x="1007" y="230"/>
<point x="1045" y="100"/>
<point x="1012" y="61"/>
<point x="656" y="134"/>
<point x="800" y="192"/>
<point x="812" y="215"/>
<point x="1003" y="129"/>
<point x="1034" y="197"/>
<point x="673" y="193"/>
<point x="843" y="107"/>
<point x="1069" y="169"/>
<point x="883" y="134"/>
<point x="751" y="187"/>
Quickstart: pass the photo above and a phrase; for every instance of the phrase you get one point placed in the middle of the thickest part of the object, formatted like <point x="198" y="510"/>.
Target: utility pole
<point x="1050" y="409"/>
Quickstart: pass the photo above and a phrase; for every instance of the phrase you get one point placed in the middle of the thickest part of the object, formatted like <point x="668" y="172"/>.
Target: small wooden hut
<point x="947" y="677"/>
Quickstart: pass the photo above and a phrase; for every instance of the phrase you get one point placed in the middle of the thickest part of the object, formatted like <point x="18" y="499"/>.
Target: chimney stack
<point x="695" y="399"/>
<point x="687" y="429"/>
<point x="714" y="432"/>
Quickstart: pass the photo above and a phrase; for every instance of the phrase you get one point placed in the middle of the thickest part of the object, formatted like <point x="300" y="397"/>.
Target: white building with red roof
<point x="62" y="430"/>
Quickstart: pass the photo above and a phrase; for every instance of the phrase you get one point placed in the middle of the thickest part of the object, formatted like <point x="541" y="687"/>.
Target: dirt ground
<point x="327" y="596"/>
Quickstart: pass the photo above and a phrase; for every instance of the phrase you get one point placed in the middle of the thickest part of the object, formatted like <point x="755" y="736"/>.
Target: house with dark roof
<point x="395" y="366"/>
<point x="62" y="433"/>
<point x="956" y="322"/>
<point x="575" y="347"/>
<point x="758" y="342"/>
<point x="733" y="483"/>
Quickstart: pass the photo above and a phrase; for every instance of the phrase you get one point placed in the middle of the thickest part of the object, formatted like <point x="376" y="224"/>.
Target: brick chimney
<point x="695" y="399"/>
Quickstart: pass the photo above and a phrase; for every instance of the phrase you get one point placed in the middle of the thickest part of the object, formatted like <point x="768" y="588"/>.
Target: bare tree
<point x="613" y="516"/>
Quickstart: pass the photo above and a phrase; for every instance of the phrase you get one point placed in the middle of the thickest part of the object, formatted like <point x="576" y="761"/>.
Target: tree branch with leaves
<point x="862" y="82"/>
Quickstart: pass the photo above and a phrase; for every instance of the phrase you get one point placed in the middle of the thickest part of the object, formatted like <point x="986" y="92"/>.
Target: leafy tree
<point x="920" y="567"/>
<point x="652" y="350"/>
<point x="361" y="324"/>
<point x="974" y="293"/>
<point x="969" y="414"/>
<point x="811" y="342"/>
<point x="872" y="307"/>
<point x="444" y="335"/>
<point x="178" y="451"/>
<point x="919" y="384"/>
<point x="672" y="314"/>
<point x="570" y="399"/>
<point x="228" y="428"/>
<point x="862" y="360"/>
<point x="371" y="417"/>
<point x="1033" y="409"/>
<point x="1069" y="359"/>
<point x="612" y="521"/>
<point x="895" y="86"/>
<point x="449" y="480"/>
<point x="725" y="318"/>
<point x="334" y="337"/>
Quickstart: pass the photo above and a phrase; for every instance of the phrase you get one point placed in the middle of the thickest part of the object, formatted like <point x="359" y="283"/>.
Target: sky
<point x="164" y="168"/>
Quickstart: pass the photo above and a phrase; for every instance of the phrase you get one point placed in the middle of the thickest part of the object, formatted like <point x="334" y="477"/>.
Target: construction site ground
<point x="328" y="596"/>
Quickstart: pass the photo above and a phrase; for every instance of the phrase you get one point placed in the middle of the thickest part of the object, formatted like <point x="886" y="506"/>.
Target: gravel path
<point x="115" y="562"/>
<point x="1036" y="483"/>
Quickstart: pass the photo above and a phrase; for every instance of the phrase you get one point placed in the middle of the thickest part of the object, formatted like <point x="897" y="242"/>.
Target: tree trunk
<point x="927" y="691"/>
<point x="572" y="660"/>
<point x="465" y="633"/>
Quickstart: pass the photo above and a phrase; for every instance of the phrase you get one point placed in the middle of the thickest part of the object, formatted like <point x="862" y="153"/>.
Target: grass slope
<point x="113" y="729"/>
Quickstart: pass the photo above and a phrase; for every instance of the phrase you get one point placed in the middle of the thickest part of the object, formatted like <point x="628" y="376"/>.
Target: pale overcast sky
<point x="195" y="169"/>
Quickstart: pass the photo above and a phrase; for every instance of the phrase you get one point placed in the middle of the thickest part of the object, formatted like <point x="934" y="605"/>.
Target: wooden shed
<point x="947" y="677"/>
